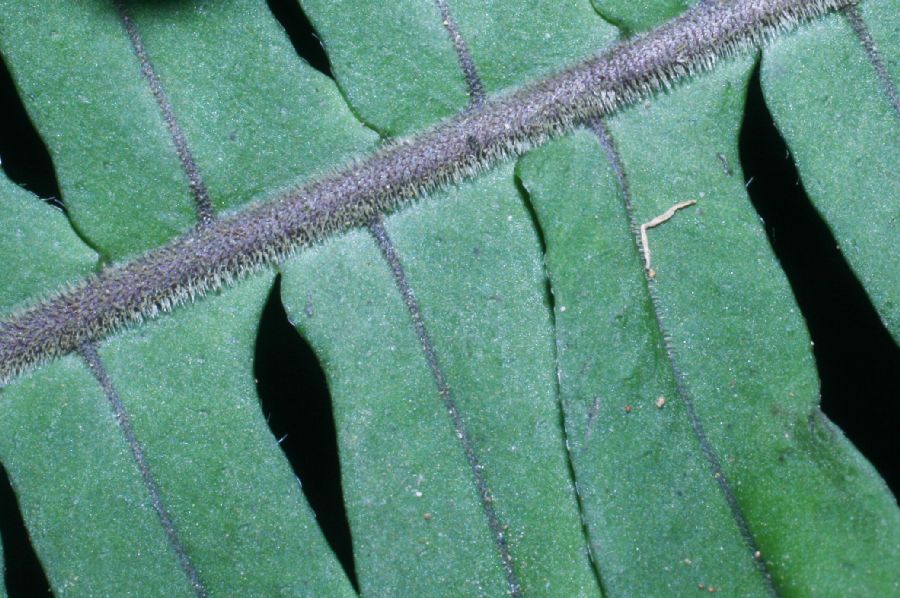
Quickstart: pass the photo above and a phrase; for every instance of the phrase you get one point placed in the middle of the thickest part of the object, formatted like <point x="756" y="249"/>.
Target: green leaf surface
<point x="496" y="407"/>
<point x="40" y="251"/>
<point x="247" y="523"/>
<point x="256" y="117"/>
<point x="476" y="274"/>
<point x="613" y="368"/>
<point x="398" y="66"/>
<point x="58" y="429"/>
<point x="745" y="360"/>
<point x="842" y="130"/>
<point x="31" y="444"/>
<point x="186" y="383"/>
<point x="402" y="455"/>
<point x="634" y="16"/>
<point x="734" y="362"/>
<point x="91" y="518"/>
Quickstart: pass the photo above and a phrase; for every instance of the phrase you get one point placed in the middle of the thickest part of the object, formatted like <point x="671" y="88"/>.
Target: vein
<point x="476" y="100"/>
<point x="205" y="216"/>
<point x="477" y="96"/>
<point x="598" y="127"/>
<point x="202" y="203"/>
<point x="389" y="252"/>
<point x="376" y="228"/>
<point x="854" y="17"/>
<point x="227" y="249"/>
<point x="90" y="356"/>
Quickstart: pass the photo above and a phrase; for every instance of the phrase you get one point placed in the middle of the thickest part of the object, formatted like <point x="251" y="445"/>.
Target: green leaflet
<point x="401" y="454"/>
<point x="707" y="565"/>
<point x="59" y="429"/>
<point x="657" y="520"/>
<point x="738" y="344"/>
<point x="257" y="119"/>
<point x="247" y="523"/>
<point x="396" y="63"/>
<point x="39" y="251"/>
<point x="32" y="444"/>
<point x="784" y="442"/>
<point x="476" y="273"/>
<point x="187" y="386"/>
<point x="634" y="16"/>
<point x="186" y="381"/>
<point x="836" y="117"/>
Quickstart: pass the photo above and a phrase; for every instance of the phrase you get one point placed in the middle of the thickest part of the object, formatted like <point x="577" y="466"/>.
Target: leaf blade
<point x="746" y="361"/>
<point x="846" y="112"/>
<point x="375" y="364"/>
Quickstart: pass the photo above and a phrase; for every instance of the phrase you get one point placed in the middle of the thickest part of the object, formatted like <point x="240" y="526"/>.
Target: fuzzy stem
<point x="207" y="258"/>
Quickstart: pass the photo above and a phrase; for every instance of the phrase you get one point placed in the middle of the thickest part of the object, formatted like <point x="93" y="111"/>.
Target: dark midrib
<point x="854" y="17"/>
<point x="92" y="359"/>
<point x="209" y="257"/>
<point x="376" y="227"/>
<point x="202" y="203"/>
<point x="715" y="465"/>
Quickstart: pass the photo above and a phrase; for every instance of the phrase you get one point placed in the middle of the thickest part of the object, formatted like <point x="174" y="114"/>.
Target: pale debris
<point x="645" y="243"/>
